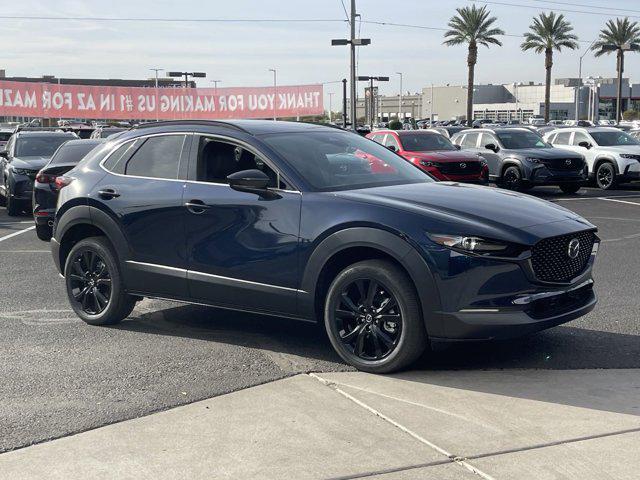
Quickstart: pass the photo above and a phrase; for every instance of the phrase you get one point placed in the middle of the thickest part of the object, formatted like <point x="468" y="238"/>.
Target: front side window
<point x="391" y="141"/>
<point x="342" y="161"/>
<point x="562" y="138"/>
<point x="580" y="137"/>
<point x="521" y="140"/>
<point x="612" y="139"/>
<point x="218" y="159"/>
<point x="425" y="142"/>
<point x="157" y="157"/>
<point x="487" y="139"/>
<point x="470" y="140"/>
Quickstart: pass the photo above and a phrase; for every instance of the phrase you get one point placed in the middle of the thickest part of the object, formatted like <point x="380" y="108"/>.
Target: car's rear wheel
<point x="606" y="176"/>
<point x="570" y="187"/>
<point x="512" y="179"/>
<point x="94" y="284"/>
<point x="44" y="232"/>
<point x="373" y="317"/>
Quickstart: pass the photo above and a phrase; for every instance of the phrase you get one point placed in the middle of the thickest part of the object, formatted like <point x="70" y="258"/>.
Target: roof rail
<point x="216" y="123"/>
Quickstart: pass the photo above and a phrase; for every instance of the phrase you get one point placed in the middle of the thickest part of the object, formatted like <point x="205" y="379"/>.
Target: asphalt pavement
<point x="60" y="376"/>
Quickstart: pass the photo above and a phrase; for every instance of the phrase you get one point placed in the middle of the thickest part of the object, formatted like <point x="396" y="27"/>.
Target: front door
<point x="242" y="248"/>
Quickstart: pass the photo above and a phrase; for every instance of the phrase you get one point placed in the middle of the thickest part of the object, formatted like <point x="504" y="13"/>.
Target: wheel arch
<point x="510" y="162"/>
<point x="605" y="159"/>
<point x="351" y="245"/>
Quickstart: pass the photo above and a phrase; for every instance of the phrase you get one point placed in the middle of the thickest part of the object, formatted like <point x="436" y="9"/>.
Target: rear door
<point x="143" y="192"/>
<point x="242" y="248"/>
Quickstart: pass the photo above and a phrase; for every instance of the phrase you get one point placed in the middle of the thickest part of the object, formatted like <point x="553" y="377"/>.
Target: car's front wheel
<point x="606" y="176"/>
<point x="512" y="179"/>
<point x="13" y="207"/>
<point x="373" y="317"/>
<point x="570" y="187"/>
<point x="94" y="284"/>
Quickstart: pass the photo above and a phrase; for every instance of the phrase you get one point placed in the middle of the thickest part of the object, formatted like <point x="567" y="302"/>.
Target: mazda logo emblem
<point x="463" y="165"/>
<point x="574" y="248"/>
<point x="567" y="161"/>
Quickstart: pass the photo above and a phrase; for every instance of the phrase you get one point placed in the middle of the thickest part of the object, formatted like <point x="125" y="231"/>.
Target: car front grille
<point x="456" y="168"/>
<point x="565" y="164"/>
<point x="551" y="260"/>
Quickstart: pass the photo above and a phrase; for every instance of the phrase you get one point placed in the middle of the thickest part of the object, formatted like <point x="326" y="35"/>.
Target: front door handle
<point x="196" y="206"/>
<point x="108" y="193"/>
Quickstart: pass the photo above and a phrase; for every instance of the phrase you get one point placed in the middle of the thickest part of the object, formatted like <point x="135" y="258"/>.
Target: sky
<point x="241" y="53"/>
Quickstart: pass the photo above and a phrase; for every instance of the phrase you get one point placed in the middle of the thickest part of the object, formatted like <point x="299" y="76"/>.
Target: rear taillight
<point x="63" y="181"/>
<point x="45" y="178"/>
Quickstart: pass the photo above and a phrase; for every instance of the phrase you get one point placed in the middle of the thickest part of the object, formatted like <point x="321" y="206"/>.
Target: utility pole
<point x="400" y="100"/>
<point x="330" y="102"/>
<point x="431" y="109"/>
<point x="579" y="89"/>
<point x="344" y="103"/>
<point x="352" y="41"/>
<point x="275" y="91"/>
<point x="157" y="103"/>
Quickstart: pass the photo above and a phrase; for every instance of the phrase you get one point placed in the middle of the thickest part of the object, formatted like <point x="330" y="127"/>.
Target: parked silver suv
<point x="612" y="155"/>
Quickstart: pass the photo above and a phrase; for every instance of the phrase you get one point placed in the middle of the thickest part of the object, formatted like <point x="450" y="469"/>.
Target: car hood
<point x="478" y="207"/>
<point x="634" y="149"/>
<point x="30" y="163"/>
<point x="544" y="153"/>
<point x="445" y="156"/>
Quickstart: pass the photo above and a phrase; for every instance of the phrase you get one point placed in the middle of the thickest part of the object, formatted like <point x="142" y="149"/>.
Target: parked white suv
<point x="612" y="155"/>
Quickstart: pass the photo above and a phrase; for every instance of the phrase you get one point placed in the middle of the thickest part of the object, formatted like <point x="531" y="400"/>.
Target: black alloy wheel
<point x="90" y="282"/>
<point x="605" y="176"/>
<point x="512" y="179"/>
<point x="368" y="319"/>
<point x="373" y="317"/>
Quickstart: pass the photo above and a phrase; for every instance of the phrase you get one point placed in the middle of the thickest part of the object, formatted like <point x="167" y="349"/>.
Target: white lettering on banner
<point x="46" y="99"/>
<point x="9" y="98"/>
<point x="30" y="100"/>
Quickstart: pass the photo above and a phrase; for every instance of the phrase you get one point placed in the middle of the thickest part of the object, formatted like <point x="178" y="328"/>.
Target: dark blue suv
<point x="316" y="224"/>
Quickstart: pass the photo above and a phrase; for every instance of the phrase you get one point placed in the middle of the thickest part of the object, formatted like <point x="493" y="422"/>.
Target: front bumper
<point x="542" y="175"/>
<point x="22" y="188"/>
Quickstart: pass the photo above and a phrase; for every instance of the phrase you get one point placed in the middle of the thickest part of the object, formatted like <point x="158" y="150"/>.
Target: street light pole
<point x="157" y="103"/>
<point x="330" y="101"/>
<point x="344" y="103"/>
<point x="580" y="79"/>
<point x="275" y="91"/>
<point x="215" y="86"/>
<point x="400" y="100"/>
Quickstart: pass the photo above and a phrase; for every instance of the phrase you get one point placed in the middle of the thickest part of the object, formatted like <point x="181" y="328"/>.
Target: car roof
<point x="252" y="127"/>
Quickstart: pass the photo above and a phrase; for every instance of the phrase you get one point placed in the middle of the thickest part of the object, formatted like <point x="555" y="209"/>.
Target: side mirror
<point x="491" y="146"/>
<point x="586" y="145"/>
<point x="4" y="154"/>
<point x="251" y="181"/>
<point x="458" y="147"/>
<point x="392" y="148"/>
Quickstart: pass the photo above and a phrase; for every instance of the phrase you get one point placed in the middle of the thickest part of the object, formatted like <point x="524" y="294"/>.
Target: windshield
<point x="425" y="142"/>
<point x="343" y="161"/>
<point x="519" y="140"/>
<point x="611" y="139"/>
<point x="72" y="153"/>
<point x="40" y="146"/>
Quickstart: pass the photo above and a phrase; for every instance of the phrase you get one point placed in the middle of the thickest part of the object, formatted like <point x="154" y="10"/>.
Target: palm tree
<point x="547" y="33"/>
<point x="472" y="25"/>
<point x="618" y="36"/>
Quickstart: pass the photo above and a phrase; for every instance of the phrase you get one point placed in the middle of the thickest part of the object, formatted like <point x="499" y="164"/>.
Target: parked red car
<point x="435" y="154"/>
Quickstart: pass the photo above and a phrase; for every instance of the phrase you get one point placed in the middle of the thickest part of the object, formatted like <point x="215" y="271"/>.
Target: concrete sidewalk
<point x="517" y="424"/>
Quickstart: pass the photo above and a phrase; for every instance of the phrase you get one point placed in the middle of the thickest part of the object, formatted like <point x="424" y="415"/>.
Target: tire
<point x="13" y="208"/>
<point x="606" y="176"/>
<point x="570" y="187"/>
<point x="512" y="179"/>
<point x="92" y="275"/>
<point x="361" y="334"/>
<point x="44" y="232"/>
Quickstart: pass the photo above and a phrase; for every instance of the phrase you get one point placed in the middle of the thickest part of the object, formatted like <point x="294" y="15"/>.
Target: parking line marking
<point x="25" y="251"/>
<point x="454" y="459"/>
<point x="14" y="234"/>
<point x="595" y="198"/>
<point x="619" y="201"/>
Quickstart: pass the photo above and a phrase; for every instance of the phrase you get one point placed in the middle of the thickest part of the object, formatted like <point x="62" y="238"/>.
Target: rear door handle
<point x="108" y="193"/>
<point x="196" y="206"/>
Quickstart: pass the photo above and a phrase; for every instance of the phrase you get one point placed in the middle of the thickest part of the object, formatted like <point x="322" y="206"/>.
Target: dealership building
<point x="594" y="99"/>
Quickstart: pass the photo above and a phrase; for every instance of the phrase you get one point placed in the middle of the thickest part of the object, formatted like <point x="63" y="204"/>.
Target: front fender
<point x="391" y="244"/>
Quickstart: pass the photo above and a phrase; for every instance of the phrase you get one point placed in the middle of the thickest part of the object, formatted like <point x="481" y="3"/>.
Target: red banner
<point x="50" y="100"/>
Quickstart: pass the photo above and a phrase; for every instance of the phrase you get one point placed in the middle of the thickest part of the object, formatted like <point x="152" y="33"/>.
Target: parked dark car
<point x="48" y="182"/>
<point x="285" y="219"/>
<point x="448" y="131"/>
<point x="24" y="155"/>
<point x="519" y="159"/>
<point x="435" y="154"/>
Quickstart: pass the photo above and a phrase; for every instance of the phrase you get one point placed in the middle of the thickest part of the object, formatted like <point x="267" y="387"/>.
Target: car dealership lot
<point x="63" y="377"/>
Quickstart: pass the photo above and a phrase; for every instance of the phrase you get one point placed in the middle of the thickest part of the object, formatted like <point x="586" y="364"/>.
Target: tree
<point x="618" y="36"/>
<point x="547" y="33"/>
<point x="473" y="26"/>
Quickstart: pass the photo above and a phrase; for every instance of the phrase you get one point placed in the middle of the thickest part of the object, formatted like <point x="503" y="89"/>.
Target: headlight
<point x="631" y="156"/>
<point x="469" y="244"/>
<point x="533" y="160"/>
<point x="21" y="171"/>
<point x="427" y="163"/>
